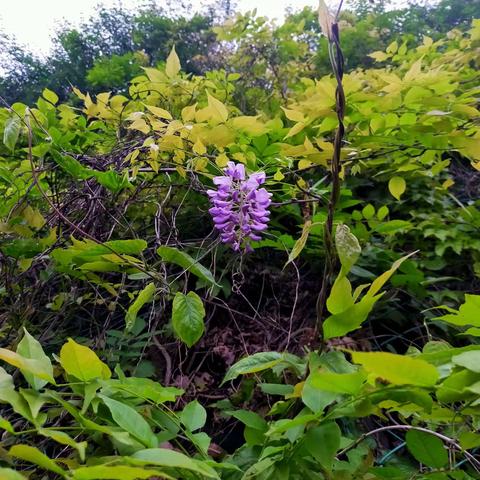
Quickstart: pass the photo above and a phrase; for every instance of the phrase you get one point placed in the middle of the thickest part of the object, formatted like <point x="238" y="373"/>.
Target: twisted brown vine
<point x="331" y="30"/>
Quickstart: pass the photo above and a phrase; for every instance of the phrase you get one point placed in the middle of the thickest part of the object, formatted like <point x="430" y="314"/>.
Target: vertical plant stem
<point x="337" y="63"/>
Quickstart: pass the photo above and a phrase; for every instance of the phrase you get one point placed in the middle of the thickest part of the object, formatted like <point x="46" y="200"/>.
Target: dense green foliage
<point x="216" y="364"/>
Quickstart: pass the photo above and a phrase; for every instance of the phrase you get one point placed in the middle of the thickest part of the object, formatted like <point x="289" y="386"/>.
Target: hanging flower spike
<point x="240" y="208"/>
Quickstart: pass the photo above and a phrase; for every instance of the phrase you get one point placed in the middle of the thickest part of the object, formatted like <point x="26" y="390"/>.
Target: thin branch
<point x="473" y="461"/>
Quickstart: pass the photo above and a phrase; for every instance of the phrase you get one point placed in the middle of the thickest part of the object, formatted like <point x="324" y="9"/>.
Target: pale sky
<point x="33" y="21"/>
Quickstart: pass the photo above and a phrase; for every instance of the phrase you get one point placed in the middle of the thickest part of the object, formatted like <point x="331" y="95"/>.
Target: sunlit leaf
<point x="397" y="186"/>
<point x="172" y="67"/>
<point x="397" y="369"/>
<point x="81" y="362"/>
<point x="30" y="348"/>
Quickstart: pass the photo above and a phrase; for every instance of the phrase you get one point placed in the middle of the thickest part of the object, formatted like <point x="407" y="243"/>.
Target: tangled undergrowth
<point x="272" y="296"/>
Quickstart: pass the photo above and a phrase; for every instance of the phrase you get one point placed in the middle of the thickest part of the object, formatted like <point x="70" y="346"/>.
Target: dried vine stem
<point x="331" y="31"/>
<point x="36" y="182"/>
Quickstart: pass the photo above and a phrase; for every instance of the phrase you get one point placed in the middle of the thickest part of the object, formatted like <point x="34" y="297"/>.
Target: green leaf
<point x="143" y="388"/>
<point x="193" y="416"/>
<point x="112" y="180"/>
<point x="143" y="297"/>
<point x="300" y="243"/>
<point x="253" y="363"/>
<point x="9" y="395"/>
<point x="427" y="448"/>
<point x="82" y="363"/>
<point x="201" y="440"/>
<point x="35" y="400"/>
<point x="72" y="166"/>
<point x="115" y="472"/>
<point x="347" y="383"/>
<point x="187" y="317"/>
<point x="35" y="456"/>
<point x="170" y="458"/>
<point x="368" y="211"/>
<point x="340" y="324"/>
<point x="27" y="365"/>
<point x="397" y="369"/>
<point x="380" y="281"/>
<point x="173" y="255"/>
<point x="397" y="186"/>
<point x="52" y="97"/>
<point x="469" y="440"/>
<point x="340" y="298"/>
<point x="30" y="348"/>
<point x="250" y="419"/>
<point x="323" y="442"/>
<point x="276" y="389"/>
<point x="469" y="360"/>
<point x="382" y="212"/>
<point x="392" y="227"/>
<point x="11" y="132"/>
<point x="455" y="387"/>
<point x="9" y="474"/>
<point x="172" y="66"/>
<point x="131" y="421"/>
<point x="467" y="314"/>
<point x="65" y="439"/>
<point x="6" y="425"/>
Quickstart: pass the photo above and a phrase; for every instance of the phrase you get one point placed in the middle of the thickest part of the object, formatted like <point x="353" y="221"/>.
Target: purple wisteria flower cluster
<point x="240" y="208"/>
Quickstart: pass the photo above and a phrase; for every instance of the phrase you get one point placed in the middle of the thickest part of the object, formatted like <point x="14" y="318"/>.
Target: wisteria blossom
<point x="240" y="208"/>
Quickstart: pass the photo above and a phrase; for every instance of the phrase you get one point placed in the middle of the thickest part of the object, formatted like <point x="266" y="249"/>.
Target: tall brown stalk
<point x="330" y="29"/>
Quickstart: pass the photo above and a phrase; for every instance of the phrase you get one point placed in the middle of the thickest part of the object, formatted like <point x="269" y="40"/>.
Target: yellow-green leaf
<point x="65" y="439"/>
<point x="172" y="66"/>
<point x="116" y="472"/>
<point x="31" y="366"/>
<point x="159" y="112"/>
<point x="82" y="363"/>
<point x="297" y="128"/>
<point x="9" y="474"/>
<point x="31" y="349"/>
<point x="199" y="148"/>
<point x="52" y="97"/>
<point x="397" y="186"/>
<point x="397" y="369"/>
<point x="35" y="456"/>
<point x="300" y="243"/>
<point x="222" y="160"/>
<point x="188" y="113"/>
<point x="170" y="458"/>
<point x="294" y="115"/>
<point x="217" y="109"/>
<point x="144" y="296"/>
